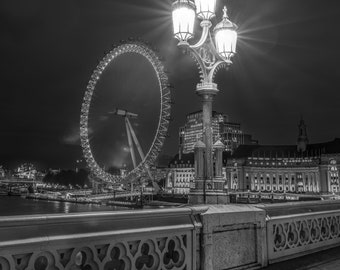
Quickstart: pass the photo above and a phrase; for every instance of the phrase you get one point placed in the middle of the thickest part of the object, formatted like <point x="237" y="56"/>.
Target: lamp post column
<point x="207" y="93"/>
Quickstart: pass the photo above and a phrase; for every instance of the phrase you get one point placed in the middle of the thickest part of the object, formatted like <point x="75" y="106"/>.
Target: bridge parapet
<point x="148" y="239"/>
<point x="253" y="236"/>
<point x="315" y="227"/>
<point x="217" y="237"/>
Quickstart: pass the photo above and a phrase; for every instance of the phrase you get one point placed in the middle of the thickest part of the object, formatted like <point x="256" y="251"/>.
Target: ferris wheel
<point x="151" y="154"/>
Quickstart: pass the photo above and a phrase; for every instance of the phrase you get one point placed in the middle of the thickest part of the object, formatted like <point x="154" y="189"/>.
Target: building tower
<point x="302" y="140"/>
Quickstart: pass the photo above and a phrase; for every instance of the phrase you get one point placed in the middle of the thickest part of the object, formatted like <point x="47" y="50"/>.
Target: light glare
<point x="205" y="9"/>
<point x="183" y="19"/>
<point x="225" y="40"/>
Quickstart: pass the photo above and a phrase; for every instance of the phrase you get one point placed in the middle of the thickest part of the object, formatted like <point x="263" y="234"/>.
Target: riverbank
<point x="61" y="199"/>
<point x="128" y="204"/>
<point x="14" y="205"/>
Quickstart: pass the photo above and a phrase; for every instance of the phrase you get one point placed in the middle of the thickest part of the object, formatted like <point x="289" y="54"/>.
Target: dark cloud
<point x="287" y="65"/>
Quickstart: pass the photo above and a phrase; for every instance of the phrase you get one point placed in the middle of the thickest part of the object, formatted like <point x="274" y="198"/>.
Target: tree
<point x="68" y="177"/>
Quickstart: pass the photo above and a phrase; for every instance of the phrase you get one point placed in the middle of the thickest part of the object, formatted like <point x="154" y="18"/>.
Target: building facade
<point x="304" y="167"/>
<point x="181" y="174"/>
<point x="229" y="133"/>
<point x="286" y="168"/>
<point x="263" y="169"/>
<point x="25" y="171"/>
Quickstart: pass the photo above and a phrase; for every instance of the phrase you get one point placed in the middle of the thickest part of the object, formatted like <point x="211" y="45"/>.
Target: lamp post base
<point x="211" y="197"/>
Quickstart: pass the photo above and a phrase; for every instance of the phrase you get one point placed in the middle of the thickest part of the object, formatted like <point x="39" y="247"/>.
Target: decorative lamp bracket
<point x="205" y="54"/>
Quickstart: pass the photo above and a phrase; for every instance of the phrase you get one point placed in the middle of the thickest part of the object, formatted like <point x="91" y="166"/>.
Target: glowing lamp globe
<point x="183" y="19"/>
<point x="225" y="37"/>
<point x="205" y="9"/>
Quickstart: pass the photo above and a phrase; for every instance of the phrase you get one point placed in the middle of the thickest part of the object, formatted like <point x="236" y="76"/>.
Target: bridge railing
<point x="149" y="239"/>
<point x="221" y="237"/>
<point x="298" y="234"/>
<point x="253" y="236"/>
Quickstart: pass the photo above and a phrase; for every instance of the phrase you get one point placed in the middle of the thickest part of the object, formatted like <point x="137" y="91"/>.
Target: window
<point x="286" y="180"/>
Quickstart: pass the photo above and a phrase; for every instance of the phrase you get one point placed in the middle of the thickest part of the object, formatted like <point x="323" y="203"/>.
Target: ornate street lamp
<point x="225" y="37"/>
<point x="210" y="54"/>
<point x="205" y="9"/>
<point x="183" y="17"/>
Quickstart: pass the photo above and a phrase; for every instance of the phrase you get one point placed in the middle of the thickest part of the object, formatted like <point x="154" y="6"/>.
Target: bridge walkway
<point x="323" y="260"/>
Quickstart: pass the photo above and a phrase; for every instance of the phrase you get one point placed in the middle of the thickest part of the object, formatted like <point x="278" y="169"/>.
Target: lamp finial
<point x="225" y="15"/>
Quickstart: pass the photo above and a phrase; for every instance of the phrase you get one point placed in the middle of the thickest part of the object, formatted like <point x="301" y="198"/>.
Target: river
<point x="13" y="205"/>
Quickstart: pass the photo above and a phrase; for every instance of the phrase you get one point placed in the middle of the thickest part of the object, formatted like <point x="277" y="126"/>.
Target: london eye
<point x="145" y="159"/>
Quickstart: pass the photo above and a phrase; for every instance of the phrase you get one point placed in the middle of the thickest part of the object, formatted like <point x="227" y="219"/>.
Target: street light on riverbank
<point x="211" y="52"/>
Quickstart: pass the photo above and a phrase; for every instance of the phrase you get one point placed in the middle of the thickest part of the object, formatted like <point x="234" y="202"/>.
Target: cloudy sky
<point x="287" y="65"/>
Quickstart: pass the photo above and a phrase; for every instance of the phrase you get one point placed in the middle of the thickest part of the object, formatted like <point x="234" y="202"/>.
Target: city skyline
<point x="52" y="48"/>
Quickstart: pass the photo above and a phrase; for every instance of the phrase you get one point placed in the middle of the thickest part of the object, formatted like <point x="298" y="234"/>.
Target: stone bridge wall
<point x="150" y="239"/>
<point x="214" y="237"/>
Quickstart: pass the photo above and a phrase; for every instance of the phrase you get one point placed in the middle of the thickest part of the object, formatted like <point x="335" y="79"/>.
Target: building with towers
<point x="230" y="133"/>
<point x="304" y="167"/>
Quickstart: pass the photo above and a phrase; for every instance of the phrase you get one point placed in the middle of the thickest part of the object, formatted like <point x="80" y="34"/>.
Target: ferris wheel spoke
<point x="135" y="140"/>
<point x="132" y="152"/>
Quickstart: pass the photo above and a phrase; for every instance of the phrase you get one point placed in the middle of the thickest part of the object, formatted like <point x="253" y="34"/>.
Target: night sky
<point x="287" y="65"/>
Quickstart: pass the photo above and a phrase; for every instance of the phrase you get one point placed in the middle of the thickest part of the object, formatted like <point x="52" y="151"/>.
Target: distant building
<point x="25" y="171"/>
<point x="159" y="173"/>
<point x="181" y="173"/>
<point x="230" y="133"/>
<point x="286" y="168"/>
<point x="269" y="168"/>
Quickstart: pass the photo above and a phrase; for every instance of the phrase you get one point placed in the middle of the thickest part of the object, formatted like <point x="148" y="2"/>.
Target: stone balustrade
<point x="213" y="237"/>
<point x="315" y="227"/>
<point x="149" y="239"/>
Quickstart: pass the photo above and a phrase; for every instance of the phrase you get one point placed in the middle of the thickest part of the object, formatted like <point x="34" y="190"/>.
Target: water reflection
<point x="66" y="207"/>
<point x="10" y="206"/>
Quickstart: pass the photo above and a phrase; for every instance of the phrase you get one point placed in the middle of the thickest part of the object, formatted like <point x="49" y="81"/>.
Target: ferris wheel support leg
<point x="139" y="148"/>
<point x="132" y="152"/>
<point x="149" y="173"/>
